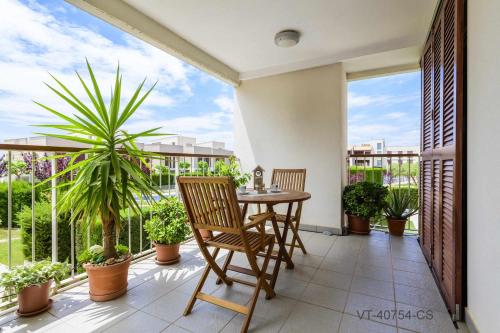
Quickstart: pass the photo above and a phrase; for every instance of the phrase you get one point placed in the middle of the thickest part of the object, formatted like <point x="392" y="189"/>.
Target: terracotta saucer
<point x="169" y="262"/>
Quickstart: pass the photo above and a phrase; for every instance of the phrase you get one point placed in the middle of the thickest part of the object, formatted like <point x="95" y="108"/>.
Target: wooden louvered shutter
<point x="442" y="151"/>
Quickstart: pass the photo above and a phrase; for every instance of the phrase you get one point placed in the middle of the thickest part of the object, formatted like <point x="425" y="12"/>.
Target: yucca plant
<point x="400" y="205"/>
<point x="109" y="177"/>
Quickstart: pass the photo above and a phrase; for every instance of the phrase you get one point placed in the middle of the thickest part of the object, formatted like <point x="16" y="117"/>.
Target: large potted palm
<point x="108" y="179"/>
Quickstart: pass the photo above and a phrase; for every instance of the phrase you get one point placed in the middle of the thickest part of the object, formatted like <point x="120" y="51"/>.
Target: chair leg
<point x="261" y="283"/>
<point x="226" y="264"/>
<point x="198" y="288"/>
<point x="296" y="239"/>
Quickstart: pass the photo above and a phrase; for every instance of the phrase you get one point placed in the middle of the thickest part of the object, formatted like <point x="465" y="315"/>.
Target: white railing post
<point x="33" y="201"/>
<point x="72" y="236"/>
<point x="9" y="208"/>
<point x="54" y="209"/>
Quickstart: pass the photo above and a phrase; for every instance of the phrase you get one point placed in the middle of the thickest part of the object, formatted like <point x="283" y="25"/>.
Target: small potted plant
<point x="32" y="284"/>
<point x="400" y="206"/>
<point x="167" y="229"/>
<point x="363" y="201"/>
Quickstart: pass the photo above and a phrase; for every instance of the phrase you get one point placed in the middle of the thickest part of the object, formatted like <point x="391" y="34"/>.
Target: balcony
<point x="341" y="283"/>
<point x="290" y="111"/>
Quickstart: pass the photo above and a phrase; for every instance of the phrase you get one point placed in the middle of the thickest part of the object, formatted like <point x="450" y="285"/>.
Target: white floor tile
<point x="351" y="324"/>
<point x="169" y="307"/>
<point x="206" y="318"/>
<point x="312" y="318"/>
<point x="331" y="298"/>
<point x="371" y="308"/>
<point x="374" y="272"/>
<point x="332" y="279"/>
<point x="372" y="287"/>
<point x="424" y="320"/>
<point x="137" y="323"/>
<point x="99" y="316"/>
<point x="424" y="298"/>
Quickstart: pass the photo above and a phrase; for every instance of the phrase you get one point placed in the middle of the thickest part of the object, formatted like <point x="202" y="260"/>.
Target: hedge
<point x="135" y="223"/>
<point x="164" y="179"/>
<point x="373" y="175"/>
<point x="43" y="233"/>
<point x="413" y="190"/>
<point x="21" y="196"/>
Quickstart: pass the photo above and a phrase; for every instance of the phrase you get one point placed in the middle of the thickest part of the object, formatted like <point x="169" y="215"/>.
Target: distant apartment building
<point x="179" y="144"/>
<point x="175" y="144"/>
<point x="375" y="147"/>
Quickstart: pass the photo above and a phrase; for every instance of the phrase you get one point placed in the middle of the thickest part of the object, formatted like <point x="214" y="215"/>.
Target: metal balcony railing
<point x="30" y="222"/>
<point x="396" y="171"/>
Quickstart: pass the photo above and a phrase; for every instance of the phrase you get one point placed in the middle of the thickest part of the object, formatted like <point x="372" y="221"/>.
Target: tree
<point x="203" y="167"/>
<point x="18" y="168"/>
<point x="184" y="166"/>
<point x="404" y="169"/>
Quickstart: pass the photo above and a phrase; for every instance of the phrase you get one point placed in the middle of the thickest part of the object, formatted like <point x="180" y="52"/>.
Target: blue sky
<point x="385" y="108"/>
<point x="38" y="37"/>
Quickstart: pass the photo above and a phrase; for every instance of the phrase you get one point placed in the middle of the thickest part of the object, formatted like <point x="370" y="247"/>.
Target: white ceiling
<point x="241" y="33"/>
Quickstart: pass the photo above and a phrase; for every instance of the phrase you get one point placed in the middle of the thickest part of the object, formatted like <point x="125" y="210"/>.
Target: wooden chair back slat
<point x="289" y="179"/>
<point x="211" y="203"/>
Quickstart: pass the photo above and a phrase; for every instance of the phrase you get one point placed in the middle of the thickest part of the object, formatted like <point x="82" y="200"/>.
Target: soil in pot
<point x="396" y="226"/>
<point x="108" y="282"/>
<point x="358" y="225"/>
<point x="167" y="254"/>
<point x="34" y="299"/>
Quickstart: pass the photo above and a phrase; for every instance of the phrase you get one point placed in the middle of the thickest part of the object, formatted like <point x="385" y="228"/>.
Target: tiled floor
<point x="384" y="280"/>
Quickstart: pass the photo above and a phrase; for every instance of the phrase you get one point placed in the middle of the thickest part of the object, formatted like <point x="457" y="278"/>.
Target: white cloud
<point x="355" y="100"/>
<point x="396" y="115"/>
<point x="225" y="103"/>
<point x="34" y="42"/>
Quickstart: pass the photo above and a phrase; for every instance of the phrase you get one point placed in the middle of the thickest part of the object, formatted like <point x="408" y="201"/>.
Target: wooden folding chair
<point x="293" y="180"/>
<point x="211" y="203"/>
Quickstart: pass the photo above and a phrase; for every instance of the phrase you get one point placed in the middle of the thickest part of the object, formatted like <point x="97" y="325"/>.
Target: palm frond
<point x="109" y="178"/>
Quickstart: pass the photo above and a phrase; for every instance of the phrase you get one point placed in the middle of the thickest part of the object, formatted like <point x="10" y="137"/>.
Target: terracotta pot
<point x="396" y="226"/>
<point x="205" y="234"/>
<point x="358" y="225"/>
<point x="167" y="254"/>
<point x="108" y="282"/>
<point x="34" y="299"/>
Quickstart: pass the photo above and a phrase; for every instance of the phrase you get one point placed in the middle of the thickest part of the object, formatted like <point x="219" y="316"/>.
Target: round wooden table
<point x="270" y="200"/>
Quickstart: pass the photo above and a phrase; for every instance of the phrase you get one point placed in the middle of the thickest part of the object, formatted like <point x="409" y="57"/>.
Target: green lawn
<point x="17" y="247"/>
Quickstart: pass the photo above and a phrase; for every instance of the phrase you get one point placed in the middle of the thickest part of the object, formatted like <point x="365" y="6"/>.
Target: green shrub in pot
<point x="167" y="229"/>
<point x="363" y="201"/>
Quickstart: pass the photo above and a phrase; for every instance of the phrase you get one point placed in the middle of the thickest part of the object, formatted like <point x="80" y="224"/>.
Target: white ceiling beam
<point x="132" y="21"/>
<point x="372" y="73"/>
<point x="332" y="59"/>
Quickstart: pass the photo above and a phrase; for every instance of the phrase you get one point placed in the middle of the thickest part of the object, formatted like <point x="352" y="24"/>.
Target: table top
<point x="285" y="196"/>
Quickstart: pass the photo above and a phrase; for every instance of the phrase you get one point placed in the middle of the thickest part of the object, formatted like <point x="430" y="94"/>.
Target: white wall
<point x="483" y="139"/>
<point x="297" y="120"/>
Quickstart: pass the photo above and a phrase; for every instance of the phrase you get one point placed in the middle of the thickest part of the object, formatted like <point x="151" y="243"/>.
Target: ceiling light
<point x="287" y="38"/>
